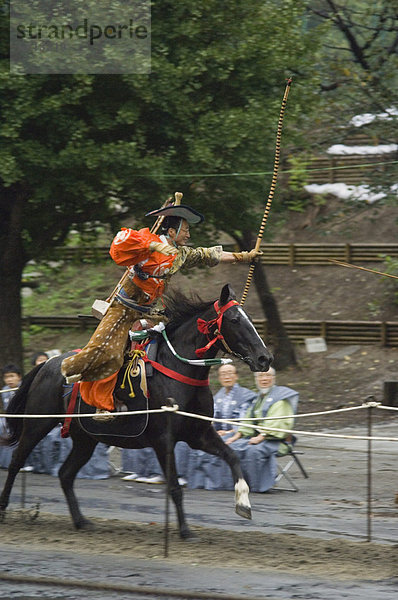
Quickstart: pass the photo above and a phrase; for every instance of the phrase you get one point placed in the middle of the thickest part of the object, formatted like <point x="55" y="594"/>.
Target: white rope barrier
<point x="388" y="407"/>
<point x="313" y="414"/>
<point x="83" y="415"/>
<point x="244" y="421"/>
<point x="234" y="422"/>
<point x="296" y="431"/>
<point x="335" y="435"/>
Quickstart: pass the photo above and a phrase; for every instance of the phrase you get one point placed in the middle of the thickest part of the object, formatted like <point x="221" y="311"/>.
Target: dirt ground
<point x="332" y="558"/>
<point x="319" y="532"/>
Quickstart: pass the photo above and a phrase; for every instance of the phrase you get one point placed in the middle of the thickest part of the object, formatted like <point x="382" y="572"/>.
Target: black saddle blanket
<point x="124" y="426"/>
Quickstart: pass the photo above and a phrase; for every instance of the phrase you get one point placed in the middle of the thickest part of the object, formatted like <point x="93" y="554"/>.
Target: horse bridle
<point x="206" y="327"/>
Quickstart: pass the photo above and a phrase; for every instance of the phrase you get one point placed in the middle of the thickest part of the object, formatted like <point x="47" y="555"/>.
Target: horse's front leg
<point x="212" y="443"/>
<point x="170" y="471"/>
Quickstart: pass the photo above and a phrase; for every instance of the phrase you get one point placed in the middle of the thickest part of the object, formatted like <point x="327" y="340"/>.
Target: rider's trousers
<point x="104" y="353"/>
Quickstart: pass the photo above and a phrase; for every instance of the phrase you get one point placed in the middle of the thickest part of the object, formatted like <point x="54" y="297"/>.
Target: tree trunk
<point x="12" y="261"/>
<point x="277" y="337"/>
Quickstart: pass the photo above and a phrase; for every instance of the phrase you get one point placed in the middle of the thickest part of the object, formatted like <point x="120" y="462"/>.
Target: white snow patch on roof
<point x="359" y="193"/>
<point x="366" y="118"/>
<point x="341" y="149"/>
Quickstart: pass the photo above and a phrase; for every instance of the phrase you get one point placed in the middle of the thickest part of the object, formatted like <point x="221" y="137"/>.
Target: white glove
<point x="162" y="248"/>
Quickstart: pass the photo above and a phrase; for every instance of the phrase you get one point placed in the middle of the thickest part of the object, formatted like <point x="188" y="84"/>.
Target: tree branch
<point x="345" y="29"/>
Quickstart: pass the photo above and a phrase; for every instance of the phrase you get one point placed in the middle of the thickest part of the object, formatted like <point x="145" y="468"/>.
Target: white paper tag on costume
<point x="99" y="308"/>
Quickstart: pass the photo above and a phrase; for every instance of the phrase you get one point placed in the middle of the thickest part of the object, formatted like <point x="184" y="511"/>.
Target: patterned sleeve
<point x="193" y="257"/>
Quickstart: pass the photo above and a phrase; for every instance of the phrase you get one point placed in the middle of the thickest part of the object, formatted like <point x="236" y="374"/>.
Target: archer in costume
<point x="151" y="260"/>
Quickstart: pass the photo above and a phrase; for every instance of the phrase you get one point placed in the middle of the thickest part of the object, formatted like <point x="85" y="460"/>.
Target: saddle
<point x="132" y="378"/>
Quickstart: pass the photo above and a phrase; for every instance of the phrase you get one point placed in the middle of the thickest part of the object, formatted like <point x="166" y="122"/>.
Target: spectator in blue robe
<point x="256" y="451"/>
<point x="231" y="402"/>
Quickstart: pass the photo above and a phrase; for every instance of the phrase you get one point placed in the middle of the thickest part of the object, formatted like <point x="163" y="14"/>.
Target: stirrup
<point x="103" y="415"/>
<point x="73" y="378"/>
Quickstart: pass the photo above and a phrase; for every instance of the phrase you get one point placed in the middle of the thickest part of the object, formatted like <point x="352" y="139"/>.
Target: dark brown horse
<point x="223" y="325"/>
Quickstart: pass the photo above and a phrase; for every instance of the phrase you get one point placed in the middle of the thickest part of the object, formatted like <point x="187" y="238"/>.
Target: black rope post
<point x="370" y="403"/>
<point x="169" y="452"/>
<point x="23" y="488"/>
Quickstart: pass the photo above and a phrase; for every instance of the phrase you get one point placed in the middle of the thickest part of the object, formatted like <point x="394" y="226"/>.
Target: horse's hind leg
<point x="82" y="450"/>
<point x="31" y="436"/>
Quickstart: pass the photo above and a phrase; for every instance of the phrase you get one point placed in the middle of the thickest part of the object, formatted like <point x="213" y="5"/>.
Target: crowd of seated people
<point x="51" y="451"/>
<point x="269" y="407"/>
<point x="272" y="408"/>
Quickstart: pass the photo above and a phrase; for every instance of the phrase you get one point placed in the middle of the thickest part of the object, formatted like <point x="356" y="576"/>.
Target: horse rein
<point x="205" y="327"/>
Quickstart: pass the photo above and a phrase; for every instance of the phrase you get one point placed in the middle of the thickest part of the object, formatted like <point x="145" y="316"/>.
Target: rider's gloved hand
<point x="162" y="248"/>
<point x="247" y="257"/>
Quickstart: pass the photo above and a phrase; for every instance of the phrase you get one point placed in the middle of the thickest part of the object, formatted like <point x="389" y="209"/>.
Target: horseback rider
<point x="151" y="260"/>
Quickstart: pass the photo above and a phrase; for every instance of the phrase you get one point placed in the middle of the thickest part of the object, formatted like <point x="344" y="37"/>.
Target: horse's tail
<point x="16" y="406"/>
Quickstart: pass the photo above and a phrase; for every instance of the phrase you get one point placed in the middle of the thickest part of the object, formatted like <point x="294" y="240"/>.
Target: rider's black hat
<point x="191" y="215"/>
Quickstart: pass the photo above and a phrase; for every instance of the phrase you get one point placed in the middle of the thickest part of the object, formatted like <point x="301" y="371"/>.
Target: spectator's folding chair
<point x="287" y="456"/>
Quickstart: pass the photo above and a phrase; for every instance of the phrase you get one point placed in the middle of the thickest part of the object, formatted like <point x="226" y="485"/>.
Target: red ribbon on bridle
<point x="205" y="327"/>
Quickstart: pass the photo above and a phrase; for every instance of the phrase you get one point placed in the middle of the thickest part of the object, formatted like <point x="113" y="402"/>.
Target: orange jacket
<point x="131" y="247"/>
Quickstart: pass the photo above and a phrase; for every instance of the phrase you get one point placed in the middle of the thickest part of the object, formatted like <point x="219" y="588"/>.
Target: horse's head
<point x="234" y="332"/>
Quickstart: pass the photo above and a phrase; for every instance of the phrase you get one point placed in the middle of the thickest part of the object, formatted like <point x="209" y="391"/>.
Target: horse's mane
<point x="180" y="308"/>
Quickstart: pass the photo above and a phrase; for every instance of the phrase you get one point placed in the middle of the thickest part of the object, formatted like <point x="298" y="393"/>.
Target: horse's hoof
<point x="189" y="536"/>
<point x="243" y="511"/>
<point x="2" y="515"/>
<point x="84" y="525"/>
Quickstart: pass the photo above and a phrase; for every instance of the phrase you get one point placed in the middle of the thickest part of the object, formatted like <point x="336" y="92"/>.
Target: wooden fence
<point x="277" y="254"/>
<point x="345" y="169"/>
<point x="384" y="333"/>
<point x="318" y="254"/>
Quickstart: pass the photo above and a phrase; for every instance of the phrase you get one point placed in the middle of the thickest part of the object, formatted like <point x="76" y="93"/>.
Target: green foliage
<point x="298" y="176"/>
<point x="76" y="146"/>
<point x="294" y="196"/>
<point x="390" y="266"/>
<point x="374" y="308"/>
<point x="67" y="288"/>
<point x="79" y="151"/>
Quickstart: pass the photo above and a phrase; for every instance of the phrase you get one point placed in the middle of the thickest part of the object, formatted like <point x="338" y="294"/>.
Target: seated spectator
<point x="142" y="464"/>
<point x="232" y="400"/>
<point x="39" y="357"/>
<point x="256" y="451"/>
<point x="49" y="454"/>
<point x="12" y="377"/>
